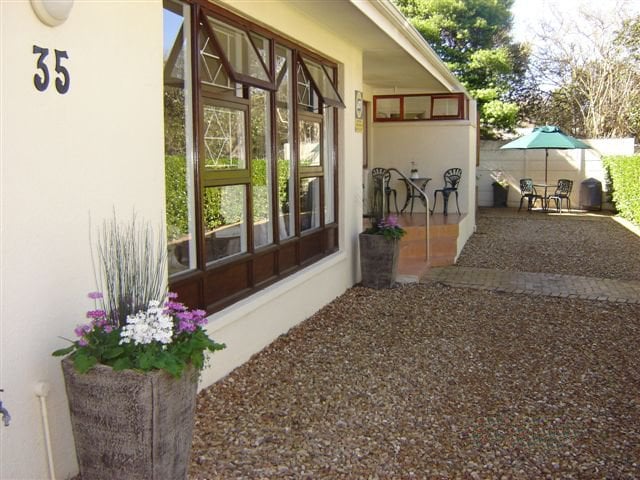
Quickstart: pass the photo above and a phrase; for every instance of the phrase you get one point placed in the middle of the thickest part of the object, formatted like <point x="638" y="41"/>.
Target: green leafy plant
<point x="165" y="336"/>
<point x="388" y="227"/>
<point x="624" y="175"/>
<point x="135" y="324"/>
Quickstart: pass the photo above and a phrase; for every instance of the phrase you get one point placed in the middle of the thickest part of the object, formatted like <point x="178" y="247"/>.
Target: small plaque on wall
<point x="359" y="112"/>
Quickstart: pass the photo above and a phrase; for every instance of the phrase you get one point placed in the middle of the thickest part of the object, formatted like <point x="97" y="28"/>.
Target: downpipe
<point x="41" y="391"/>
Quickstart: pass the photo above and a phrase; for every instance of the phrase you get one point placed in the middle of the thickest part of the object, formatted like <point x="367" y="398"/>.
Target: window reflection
<point x="239" y="51"/>
<point x="224" y="138"/>
<point x="260" y="168"/>
<point x="224" y="220"/>
<point x="329" y="163"/>
<point x="284" y="139"/>
<point x="309" y="134"/>
<point x="178" y="159"/>
<point x="309" y="203"/>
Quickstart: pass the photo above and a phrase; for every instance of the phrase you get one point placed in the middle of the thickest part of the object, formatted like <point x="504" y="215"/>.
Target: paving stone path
<point x="549" y="284"/>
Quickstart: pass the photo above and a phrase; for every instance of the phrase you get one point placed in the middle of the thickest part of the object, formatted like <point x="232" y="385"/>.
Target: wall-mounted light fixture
<point x="52" y="12"/>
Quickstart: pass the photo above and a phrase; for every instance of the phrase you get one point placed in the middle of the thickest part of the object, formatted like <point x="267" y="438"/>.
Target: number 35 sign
<point x="42" y="78"/>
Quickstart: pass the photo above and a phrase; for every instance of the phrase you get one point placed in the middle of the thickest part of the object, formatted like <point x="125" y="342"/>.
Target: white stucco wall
<point x="94" y="149"/>
<point x="512" y="165"/>
<point x="434" y="147"/>
<point x="98" y="148"/>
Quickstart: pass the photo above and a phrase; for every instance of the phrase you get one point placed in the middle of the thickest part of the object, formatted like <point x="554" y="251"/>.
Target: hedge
<point x="216" y="209"/>
<point x="624" y="177"/>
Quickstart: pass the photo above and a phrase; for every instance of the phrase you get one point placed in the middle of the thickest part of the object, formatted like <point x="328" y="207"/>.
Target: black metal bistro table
<point x="546" y="186"/>
<point x="412" y="191"/>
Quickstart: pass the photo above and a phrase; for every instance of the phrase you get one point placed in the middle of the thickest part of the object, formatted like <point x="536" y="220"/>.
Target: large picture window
<point x="250" y="155"/>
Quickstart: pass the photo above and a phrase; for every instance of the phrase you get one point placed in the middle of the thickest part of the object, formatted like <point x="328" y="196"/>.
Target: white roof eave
<point x="391" y="21"/>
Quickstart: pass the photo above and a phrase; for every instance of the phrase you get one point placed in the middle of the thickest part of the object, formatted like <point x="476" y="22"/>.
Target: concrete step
<point x="443" y="248"/>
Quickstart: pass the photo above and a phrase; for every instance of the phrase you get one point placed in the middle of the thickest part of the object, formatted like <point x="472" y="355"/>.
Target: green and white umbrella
<point x="545" y="138"/>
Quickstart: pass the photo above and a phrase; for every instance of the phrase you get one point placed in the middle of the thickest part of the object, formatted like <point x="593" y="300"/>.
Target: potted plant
<point x="131" y="375"/>
<point x="379" y="252"/>
<point x="414" y="171"/>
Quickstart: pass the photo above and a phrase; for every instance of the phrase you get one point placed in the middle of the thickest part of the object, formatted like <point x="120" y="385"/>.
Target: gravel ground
<point x="593" y="245"/>
<point x="429" y="381"/>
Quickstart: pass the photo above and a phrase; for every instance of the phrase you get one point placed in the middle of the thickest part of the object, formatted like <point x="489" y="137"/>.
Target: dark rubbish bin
<point x="500" y="195"/>
<point x="591" y="194"/>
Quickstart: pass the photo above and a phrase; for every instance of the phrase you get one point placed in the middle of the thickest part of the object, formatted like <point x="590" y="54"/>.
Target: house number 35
<point x="42" y="78"/>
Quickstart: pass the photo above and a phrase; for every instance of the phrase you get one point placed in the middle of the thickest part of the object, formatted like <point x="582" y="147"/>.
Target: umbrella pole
<point x="546" y="166"/>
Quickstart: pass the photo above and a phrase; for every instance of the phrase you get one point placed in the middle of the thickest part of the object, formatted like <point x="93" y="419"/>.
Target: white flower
<point x="148" y="327"/>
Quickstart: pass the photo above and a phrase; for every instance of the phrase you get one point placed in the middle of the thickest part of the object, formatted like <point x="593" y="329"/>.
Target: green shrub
<point x="624" y="178"/>
<point x="217" y="210"/>
<point x="176" y="190"/>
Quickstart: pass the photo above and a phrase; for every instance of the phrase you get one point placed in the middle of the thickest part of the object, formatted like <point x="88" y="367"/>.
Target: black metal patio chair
<point x="381" y="179"/>
<point x="563" y="190"/>
<point x="451" y="180"/>
<point x="528" y="191"/>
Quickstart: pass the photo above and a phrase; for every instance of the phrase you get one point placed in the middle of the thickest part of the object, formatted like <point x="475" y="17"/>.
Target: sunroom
<point x="255" y="123"/>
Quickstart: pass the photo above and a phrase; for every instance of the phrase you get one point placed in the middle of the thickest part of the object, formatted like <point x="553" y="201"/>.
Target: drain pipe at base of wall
<point x="42" y="390"/>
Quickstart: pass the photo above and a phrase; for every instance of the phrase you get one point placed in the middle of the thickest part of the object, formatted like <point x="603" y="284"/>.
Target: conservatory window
<point x="250" y="156"/>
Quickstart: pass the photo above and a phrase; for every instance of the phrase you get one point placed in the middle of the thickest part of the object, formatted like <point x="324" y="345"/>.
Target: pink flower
<point x="175" y="306"/>
<point x="186" y="326"/>
<point x="95" y="295"/>
<point x="392" y="221"/>
<point x="82" y="330"/>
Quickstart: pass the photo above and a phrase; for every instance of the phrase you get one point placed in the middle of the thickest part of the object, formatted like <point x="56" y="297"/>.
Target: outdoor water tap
<point x="6" y="418"/>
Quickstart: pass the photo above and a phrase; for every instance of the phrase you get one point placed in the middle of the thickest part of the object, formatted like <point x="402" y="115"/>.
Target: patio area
<point x="437" y="381"/>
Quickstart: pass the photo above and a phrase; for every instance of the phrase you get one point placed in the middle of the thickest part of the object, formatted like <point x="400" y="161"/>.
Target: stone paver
<point x="549" y="284"/>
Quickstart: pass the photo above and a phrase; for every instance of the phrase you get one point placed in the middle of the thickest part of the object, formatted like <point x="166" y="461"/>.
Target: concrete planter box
<point x="131" y="425"/>
<point x="378" y="260"/>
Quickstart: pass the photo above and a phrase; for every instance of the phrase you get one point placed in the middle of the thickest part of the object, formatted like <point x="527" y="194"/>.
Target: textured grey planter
<point x="378" y="260"/>
<point x="130" y="425"/>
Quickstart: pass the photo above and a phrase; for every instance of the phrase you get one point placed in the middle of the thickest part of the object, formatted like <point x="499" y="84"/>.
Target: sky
<point x="530" y="13"/>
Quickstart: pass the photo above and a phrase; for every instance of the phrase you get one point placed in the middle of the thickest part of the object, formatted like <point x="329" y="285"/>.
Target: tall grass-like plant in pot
<point x="131" y="374"/>
<point x="380" y="252"/>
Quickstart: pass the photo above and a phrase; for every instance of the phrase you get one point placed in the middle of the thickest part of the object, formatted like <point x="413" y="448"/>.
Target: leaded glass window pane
<point x="239" y="51"/>
<point x="307" y="97"/>
<point x="224" y="137"/>
<point x="324" y="83"/>
<point x="212" y="71"/>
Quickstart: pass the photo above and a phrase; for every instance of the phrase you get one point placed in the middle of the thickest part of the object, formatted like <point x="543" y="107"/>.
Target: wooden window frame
<point x="461" y="114"/>
<point x="223" y="282"/>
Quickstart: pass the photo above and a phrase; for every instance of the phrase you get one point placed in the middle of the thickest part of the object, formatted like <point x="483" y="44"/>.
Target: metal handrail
<point x="426" y="213"/>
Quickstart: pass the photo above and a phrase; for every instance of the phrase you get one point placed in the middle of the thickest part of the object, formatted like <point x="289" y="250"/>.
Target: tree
<point x="588" y="74"/>
<point x="472" y="38"/>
